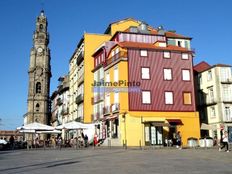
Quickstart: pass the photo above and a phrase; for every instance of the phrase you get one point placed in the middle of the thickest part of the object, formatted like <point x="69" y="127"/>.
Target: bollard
<point x="109" y="143"/>
<point x="140" y="144"/>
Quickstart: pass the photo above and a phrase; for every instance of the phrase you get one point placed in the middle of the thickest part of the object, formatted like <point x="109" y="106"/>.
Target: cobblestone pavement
<point x="116" y="160"/>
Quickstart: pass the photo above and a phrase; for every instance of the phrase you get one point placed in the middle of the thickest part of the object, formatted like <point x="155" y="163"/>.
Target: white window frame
<point x="112" y="53"/>
<point x="212" y="112"/>
<point x="143" y="53"/>
<point x="168" y="95"/>
<point x="107" y="77"/>
<point x="145" y="73"/>
<point x="107" y="99"/>
<point x="186" y="75"/>
<point x="117" y="51"/>
<point x="228" y="113"/>
<point x="227" y="93"/>
<point x="116" y="97"/>
<point x="167" y="73"/>
<point x="225" y="74"/>
<point x="185" y="56"/>
<point x="146" y="97"/>
<point x="116" y="73"/>
<point x="209" y="75"/>
<point x="167" y="54"/>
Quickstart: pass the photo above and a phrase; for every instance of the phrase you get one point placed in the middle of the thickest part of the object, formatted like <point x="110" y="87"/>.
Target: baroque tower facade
<point x="39" y="74"/>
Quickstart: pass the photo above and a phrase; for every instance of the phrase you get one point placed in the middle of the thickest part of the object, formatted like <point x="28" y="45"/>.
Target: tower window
<point x="41" y="26"/>
<point x="37" y="107"/>
<point x="38" y="88"/>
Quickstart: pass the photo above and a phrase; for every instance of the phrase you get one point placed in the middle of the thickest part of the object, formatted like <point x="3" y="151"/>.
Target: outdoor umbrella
<point x="72" y="126"/>
<point x="49" y="132"/>
<point x="35" y="126"/>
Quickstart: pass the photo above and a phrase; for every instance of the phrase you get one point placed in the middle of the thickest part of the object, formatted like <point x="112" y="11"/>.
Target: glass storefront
<point x="153" y="134"/>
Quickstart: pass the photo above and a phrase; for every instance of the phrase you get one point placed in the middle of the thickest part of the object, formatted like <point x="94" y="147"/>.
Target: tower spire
<point x="42" y="6"/>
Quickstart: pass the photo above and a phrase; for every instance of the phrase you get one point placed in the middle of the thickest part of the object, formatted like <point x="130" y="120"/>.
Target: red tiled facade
<point x="156" y="84"/>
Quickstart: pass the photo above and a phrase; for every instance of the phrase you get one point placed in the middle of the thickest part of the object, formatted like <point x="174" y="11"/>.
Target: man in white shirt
<point x="225" y="142"/>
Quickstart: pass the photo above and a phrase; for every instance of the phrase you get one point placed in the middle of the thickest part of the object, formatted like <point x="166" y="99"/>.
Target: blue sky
<point x="207" y="21"/>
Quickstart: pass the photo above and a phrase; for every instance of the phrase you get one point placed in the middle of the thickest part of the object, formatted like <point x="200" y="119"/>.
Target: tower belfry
<point x="39" y="74"/>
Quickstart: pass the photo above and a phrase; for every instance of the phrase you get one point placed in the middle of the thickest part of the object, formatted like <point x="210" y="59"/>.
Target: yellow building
<point x="80" y="67"/>
<point x="81" y="78"/>
<point x="148" y="86"/>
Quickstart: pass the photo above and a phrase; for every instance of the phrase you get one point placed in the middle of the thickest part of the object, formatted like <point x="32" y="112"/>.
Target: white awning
<point x="207" y="127"/>
<point x="72" y="126"/>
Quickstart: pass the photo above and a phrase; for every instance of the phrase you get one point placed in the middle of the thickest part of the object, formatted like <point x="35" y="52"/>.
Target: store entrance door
<point x="153" y="135"/>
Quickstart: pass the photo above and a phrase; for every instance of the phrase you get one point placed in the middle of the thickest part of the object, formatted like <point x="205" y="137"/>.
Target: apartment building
<point x="214" y="91"/>
<point x="144" y="86"/>
<point x="81" y="78"/>
<point x="60" y="102"/>
<point x="80" y="66"/>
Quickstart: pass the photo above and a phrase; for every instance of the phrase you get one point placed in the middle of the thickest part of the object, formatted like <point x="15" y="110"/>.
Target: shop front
<point x="154" y="133"/>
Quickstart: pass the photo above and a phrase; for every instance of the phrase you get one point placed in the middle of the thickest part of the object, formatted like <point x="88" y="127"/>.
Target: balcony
<point x="97" y="98"/>
<point x="106" y="110"/>
<point x="226" y="81"/>
<point x="80" y="80"/>
<point x="80" y="58"/>
<point x="115" y="107"/>
<point x="120" y="55"/>
<point x="79" y="99"/>
<point x="95" y="116"/>
<point x="59" y="101"/>
<point x="227" y="100"/>
<point x="211" y="101"/>
<point x="65" y="111"/>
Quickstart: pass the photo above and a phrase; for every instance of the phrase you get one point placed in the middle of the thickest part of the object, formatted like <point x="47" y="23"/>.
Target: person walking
<point x="225" y="142"/>
<point x="12" y="142"/>
<point x="178" y="140"/>
<point x="86" y="139"/>
<point x="59" y="142"/>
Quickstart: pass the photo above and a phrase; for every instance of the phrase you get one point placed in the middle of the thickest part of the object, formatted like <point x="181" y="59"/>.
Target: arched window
<point x="41" y="26"/>
<point x="37" y="107"/>
<point x="38" y="87"/>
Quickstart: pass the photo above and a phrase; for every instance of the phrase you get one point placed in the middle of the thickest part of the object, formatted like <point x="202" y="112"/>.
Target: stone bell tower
<point x="39" y="74"/>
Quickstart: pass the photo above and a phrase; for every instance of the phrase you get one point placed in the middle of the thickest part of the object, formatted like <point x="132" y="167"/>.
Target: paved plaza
<point x="116" y="161"/>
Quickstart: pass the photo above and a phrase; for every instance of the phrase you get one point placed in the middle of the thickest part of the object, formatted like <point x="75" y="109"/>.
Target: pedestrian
<point x="178" y="140"/>
<point x="12" y="142"/>
<point x="59" y="142"/>
<point x="95" y="140"/>
<point x="53" y="142"/>
<point x="225" y="142"/>
<point x="86" y="140"/>
<point x="221" y="136"/>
